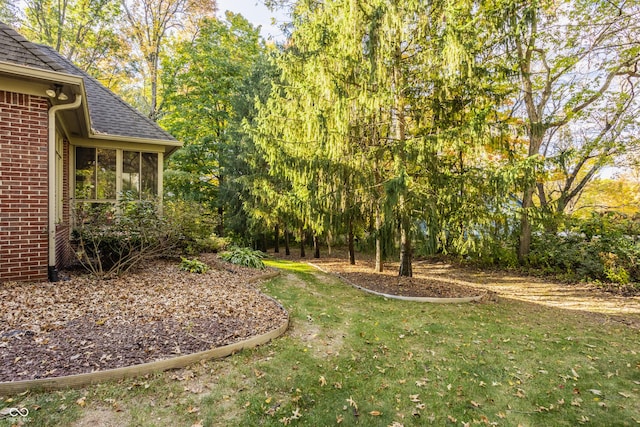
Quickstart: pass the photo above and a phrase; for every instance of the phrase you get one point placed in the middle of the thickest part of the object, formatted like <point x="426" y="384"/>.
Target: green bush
<point x="110" y="239"/>
<point x="193" y="265"/>
<point x="193" y="226"/>
<point x="246" y="257"/>
<point x="614" y="272"/>
<point x="212" y="244"/>
<point x="599" y="249"/>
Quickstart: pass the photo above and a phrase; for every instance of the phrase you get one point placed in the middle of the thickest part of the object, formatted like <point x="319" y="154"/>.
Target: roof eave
<point x="171" y="146"/>
<point x="50" y="77"/>
<point x="40" y="74"/>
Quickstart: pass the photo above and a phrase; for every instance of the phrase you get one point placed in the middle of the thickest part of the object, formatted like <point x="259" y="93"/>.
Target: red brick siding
<point x="23" y="187"/>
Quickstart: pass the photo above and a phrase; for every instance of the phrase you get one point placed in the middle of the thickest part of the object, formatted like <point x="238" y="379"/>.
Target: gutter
<point x="53" y="272"/>
<point x="22" y="71"/>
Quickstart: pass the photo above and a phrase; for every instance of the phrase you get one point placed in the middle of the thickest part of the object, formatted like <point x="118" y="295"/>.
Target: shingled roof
<point x="16" y="49"/>
<point x="109" y="115"/>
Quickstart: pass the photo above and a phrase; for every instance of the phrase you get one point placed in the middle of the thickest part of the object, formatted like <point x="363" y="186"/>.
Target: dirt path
<point x="567" y="296"/>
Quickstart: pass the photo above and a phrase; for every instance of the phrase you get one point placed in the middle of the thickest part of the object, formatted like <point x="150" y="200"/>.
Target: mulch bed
<point x="83" y="325"/>
<point x="387" y="282"/>
<point x="392" y="284"/>
<point x="409" y="286"/>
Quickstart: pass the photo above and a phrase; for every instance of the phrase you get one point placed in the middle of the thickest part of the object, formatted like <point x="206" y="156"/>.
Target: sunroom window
<point x="140" y="174"/>
<point x="103" y="174"/>
<point x="95" y="173"/>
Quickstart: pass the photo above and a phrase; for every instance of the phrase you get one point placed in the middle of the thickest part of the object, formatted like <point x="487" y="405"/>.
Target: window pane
<point x="106" y="174"/>
<point x="131" y="173"/>
<point x="85" y="173"/>
<point x="149" y="175"/>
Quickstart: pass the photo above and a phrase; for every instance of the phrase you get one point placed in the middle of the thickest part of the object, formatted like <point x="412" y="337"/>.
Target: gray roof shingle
<point x="14" y="48"/>
<point x="109" y="114"/>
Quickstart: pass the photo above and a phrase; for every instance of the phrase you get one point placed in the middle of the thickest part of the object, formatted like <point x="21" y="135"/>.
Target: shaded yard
<point x="587" y="298"/>
<point x="350" y="358"/>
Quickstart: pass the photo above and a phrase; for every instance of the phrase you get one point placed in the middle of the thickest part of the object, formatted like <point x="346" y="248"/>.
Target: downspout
<point x="52" y="271"/>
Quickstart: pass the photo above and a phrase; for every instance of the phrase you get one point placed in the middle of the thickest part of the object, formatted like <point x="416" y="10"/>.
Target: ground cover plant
<point x="350" y="358"/>
<point x="245" y="257"/>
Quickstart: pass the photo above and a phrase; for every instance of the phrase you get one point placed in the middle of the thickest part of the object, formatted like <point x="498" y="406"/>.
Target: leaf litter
<point x="84" y="325"/>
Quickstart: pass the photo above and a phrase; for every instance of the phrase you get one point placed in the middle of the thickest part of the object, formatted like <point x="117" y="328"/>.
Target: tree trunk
<point x="302" y="254"/>
<point x="524" y="245"/>
<point x="405" y="250"/>
<point x="352" y="250"/>
<point x="287" y="249"/>
<point x="220" y="227"/>
<point x="276" y="245"/>
<point x="379" y="265"/>
<point x="401" y="161"/>
<point x="536" y="136"/>
<point x="263" y="242"/>
<point x="329" y="242"/>
<point x="316" y="247"/>
<point x="154" y="65"/>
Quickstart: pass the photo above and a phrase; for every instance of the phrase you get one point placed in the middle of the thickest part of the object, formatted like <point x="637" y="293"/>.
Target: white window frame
<point x="119" y="167"/>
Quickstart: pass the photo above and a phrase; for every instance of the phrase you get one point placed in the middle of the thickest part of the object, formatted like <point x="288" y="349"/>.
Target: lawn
<point x="351" y="358"/>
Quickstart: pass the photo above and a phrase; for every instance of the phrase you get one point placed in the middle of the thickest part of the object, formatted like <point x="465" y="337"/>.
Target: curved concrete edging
<point x="80" y="380"/>
<point x="432" y="300"/>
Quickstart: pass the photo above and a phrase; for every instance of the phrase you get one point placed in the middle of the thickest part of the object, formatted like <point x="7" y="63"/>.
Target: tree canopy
<point x="402" y="127"/>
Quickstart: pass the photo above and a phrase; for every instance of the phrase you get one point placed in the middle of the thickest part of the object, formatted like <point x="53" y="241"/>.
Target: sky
<point x="256" y="13"/>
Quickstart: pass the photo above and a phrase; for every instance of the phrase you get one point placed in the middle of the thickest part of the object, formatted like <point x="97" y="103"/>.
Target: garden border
<point x="433" y="300"/>
<point x="80" y="380"/>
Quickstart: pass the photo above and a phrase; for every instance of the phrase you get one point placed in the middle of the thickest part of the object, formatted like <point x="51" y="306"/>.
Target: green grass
<point x="508" y="363"/>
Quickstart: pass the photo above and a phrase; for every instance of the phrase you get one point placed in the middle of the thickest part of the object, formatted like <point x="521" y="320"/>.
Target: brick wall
<point x="23" y="187"/>
<point x="64" y="252"/>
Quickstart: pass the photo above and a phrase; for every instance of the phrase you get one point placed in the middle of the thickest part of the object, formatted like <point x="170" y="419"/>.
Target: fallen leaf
<point x="296" y="414"/>
<point x="375" y="413"/>
<point x="422" y="382"/>
<point x="82" y="401"/>
<point x="352" y="403"/>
